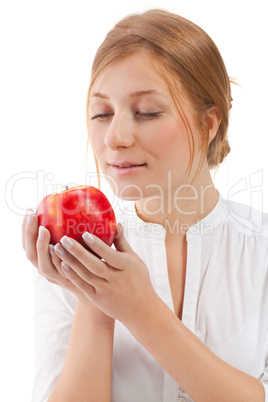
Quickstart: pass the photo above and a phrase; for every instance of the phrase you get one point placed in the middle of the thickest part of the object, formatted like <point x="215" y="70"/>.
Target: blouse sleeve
<point x="54" y="312"/>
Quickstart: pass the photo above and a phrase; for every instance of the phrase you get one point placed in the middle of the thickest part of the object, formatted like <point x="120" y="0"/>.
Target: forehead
<point x="134" y="73"/>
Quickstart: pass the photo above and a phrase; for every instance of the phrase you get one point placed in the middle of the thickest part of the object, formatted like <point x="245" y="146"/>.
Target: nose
<point x="120" y="133"/>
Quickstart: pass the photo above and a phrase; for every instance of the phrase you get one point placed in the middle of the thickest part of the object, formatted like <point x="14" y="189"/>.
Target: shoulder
<point x="246" y="219"/>
<point x="239" y="241"/>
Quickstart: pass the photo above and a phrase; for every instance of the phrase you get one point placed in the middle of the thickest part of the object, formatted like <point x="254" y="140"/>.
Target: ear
<point x="214" y="120"/>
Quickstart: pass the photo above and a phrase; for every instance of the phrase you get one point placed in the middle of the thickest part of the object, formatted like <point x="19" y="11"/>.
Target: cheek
<point x="172" y="139"/>
<point x="96" y="141"/>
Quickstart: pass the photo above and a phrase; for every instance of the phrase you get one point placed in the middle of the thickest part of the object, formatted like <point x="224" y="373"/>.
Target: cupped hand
<point x="118" y="282"/>
<point x="35" y="242"/>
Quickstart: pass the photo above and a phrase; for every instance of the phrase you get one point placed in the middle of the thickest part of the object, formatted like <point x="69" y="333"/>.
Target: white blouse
<point x="225" y="304"/>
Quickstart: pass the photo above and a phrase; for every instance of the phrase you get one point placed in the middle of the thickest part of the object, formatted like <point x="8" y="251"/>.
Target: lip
<point x="133" y="167"/>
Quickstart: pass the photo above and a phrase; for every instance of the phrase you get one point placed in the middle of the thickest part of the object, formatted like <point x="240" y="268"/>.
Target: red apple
<point x="75" y="211"/>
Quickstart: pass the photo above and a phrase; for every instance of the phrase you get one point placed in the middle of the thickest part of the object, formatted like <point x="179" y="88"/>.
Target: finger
<point x="84" y="271"/>
<point x="23" y="230"/>
<point x="103" y="250"/>
<point x="120" y="241"/>
<point x="46" y="268"/>
<point x="43" y="254"/>
<point x="31" y="234"/>
<point x="85" y="287"/>
<point x="56" y="261"/>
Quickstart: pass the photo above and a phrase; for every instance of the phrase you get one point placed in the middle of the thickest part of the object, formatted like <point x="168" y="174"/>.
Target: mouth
<point x="126" y="164"/>
<point x="126" y="167"/>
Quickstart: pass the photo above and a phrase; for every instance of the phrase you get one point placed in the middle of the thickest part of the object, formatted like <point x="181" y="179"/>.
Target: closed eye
<point x="146" y="115"/>
<point x="102" y="116"/>
<point x="149" y="115"/>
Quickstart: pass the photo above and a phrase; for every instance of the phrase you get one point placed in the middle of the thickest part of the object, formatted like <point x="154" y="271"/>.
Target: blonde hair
<point x="187" y="59"/>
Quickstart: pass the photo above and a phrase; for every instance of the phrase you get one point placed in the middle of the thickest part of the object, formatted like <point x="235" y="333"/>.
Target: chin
<point x="128" y="194"/>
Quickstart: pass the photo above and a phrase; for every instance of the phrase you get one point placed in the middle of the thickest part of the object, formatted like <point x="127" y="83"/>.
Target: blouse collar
<point x="205" y="226"/>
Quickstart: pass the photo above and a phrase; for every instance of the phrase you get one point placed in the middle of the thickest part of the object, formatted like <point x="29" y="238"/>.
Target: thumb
<point x="120" y="241"/>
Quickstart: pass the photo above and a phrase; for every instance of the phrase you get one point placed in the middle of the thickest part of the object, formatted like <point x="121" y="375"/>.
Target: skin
<point x="122" y="132"/>
<point x="86" y="374"/>
<point x="119" y="287"/>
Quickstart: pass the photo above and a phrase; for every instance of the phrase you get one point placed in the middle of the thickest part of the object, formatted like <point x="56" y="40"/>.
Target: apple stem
<point x="66" y="187"/>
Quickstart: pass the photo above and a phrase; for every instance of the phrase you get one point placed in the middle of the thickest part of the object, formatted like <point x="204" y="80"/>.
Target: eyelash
<point x="147" y="115"/>
<point x="101" y="116"/>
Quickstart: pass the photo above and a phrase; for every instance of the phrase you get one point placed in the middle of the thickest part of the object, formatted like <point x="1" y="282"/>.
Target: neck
<point x="178" y="208"/>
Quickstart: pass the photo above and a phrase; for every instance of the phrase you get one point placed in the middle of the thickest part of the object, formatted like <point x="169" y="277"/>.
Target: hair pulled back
<point x="186" y="57"/>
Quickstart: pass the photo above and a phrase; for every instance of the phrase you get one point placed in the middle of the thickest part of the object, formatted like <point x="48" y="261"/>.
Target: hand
<point x="43" y="256"/>
<point x="40" y="254"/>
<point x="118" y="282"/>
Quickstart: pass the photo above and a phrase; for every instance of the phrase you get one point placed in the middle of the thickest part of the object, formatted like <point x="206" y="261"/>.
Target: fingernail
<point x="30" y="217"/>
<point x="59" y="249"/>
<point x="88" y="237"/>
<point x="66" y="242"/>
<point x="41" y="232"/>
<point x="25" y="216"/>
<point x="65" y="266"/>
<point x="51" y="249"/>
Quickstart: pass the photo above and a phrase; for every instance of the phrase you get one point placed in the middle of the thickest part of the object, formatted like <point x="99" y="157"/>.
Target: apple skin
<point x="76" y="210"/>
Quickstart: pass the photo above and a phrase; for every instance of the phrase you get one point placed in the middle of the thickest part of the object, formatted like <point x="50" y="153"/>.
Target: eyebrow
<point x="132" y="95"/>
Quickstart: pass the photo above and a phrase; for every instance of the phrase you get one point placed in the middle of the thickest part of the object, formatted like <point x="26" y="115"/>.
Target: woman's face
<point x="135" y="131"/>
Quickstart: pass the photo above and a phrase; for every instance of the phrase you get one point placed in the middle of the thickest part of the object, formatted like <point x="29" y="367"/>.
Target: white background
<point x="47" y="48"/>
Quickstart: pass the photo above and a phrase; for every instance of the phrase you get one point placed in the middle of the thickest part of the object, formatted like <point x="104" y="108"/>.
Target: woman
<point x="177" y="310"/>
